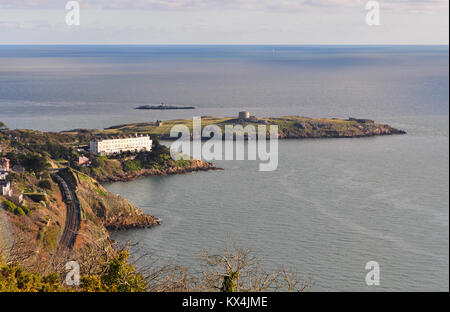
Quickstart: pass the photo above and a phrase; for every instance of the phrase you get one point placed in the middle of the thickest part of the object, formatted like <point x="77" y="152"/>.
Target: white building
<point x="120" y="145"/>
<point x="5" y="188"/>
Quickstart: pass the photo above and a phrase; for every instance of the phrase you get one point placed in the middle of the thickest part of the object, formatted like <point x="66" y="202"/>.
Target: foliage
<point x="9" y="206"/>
<point x="34" y="162"/>
<point x="229" y="282"/>
<point x="25" y="210"/>
<point x="97" y="162"/>
<point x="51" y="237"/>
<point x="14" y="278"/>
<point x="118" y="276"/>
<point x="132" y="165"/>
<point x="13" y="208"/>
<point x="13" y="158"/>
<point x="45" y="184"/>
<point x="182" y="163"/>
<point x="232" y="270"/>
<point x="100" y="191"/>
<point x="19" y="211"/>
<point x="157" y="158"/>
<point x="56" y="151"/>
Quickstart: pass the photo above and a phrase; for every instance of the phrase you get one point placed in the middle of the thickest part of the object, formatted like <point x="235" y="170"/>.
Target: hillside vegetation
<point x="289" y="127"/>
<point x="36" y="212"/>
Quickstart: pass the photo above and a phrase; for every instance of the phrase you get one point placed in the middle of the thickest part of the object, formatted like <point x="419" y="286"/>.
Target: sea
<point x="331" y="207"/>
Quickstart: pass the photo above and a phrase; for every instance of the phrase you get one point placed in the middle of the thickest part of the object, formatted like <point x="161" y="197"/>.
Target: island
<point x="164" y="107"/>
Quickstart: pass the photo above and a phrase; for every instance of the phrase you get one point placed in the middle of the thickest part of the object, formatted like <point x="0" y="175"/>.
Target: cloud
<point x="255" y="5"/>
<point x="248" y="25"/>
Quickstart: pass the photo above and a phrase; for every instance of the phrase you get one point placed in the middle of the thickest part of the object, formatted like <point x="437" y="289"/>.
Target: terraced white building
<point x="120" y="145"/>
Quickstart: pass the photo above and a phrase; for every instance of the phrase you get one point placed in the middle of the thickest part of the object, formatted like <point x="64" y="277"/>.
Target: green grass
<point x="182" y="163"/>
<point x="282" y="123"/>
<point x="100" y="192"/>
<point x="50" y="237"/>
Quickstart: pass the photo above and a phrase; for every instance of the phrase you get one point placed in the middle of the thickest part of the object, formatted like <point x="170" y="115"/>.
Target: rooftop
<point x="120" y="137"/>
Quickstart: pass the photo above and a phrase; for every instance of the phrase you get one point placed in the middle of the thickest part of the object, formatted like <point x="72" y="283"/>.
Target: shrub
<point x="51" y="237"/>
<point x="9" y="206"/>
<point x="35" y="163"/>
<point x="159" y="155"/>
<point x="19" y="211"/>
<point x="117" y="276"/>
<point x="26" y="210"/>
<point x="45" y="184"/>
<point x="132" y="165"/>
<point x="98" y="162"/>
<point x="182" y="163"/>
<point x="14" y="278"/>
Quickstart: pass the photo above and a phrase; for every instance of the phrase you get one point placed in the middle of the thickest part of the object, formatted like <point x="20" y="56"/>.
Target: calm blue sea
<point x="332" y="205"/>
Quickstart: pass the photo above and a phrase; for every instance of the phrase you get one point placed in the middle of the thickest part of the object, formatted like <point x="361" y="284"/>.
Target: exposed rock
<point x="195" y="165"/>
<point x="361" y="128"/>
<point x="131" y="221"/>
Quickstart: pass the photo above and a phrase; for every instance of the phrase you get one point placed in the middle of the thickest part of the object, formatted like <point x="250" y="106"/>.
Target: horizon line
<point x="225" y="44"/>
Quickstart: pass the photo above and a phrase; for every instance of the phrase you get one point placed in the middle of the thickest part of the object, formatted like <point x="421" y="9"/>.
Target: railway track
<point x="73" y="213"/>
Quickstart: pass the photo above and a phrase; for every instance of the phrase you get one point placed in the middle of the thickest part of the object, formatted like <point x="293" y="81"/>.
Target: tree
<point x="34" y="162"/>
<point x="3" y="126"/>
<point x="13" y="158"/>
<point x="236" y="270"/>
<point x="159" y="155"/>
<point x="118" y="276"/>
<point x="45" y="184"/>
<point x="97" y="162"/>
<point x="229" y="281"/>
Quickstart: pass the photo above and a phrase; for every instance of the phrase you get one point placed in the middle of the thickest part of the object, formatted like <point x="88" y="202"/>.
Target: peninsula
<point x="289" y="127"/>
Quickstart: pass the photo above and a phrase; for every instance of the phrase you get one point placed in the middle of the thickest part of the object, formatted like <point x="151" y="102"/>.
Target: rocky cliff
<point x="125" y="176"/>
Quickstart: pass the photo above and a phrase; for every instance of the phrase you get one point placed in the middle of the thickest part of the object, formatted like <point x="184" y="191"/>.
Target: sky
<point x="224" y="22"/>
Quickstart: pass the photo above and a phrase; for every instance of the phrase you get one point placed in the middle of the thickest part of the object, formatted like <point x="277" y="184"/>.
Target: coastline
<point x="195" y="166"/>
<point x="101" y="212"/>
<point x="289" y="127"/>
